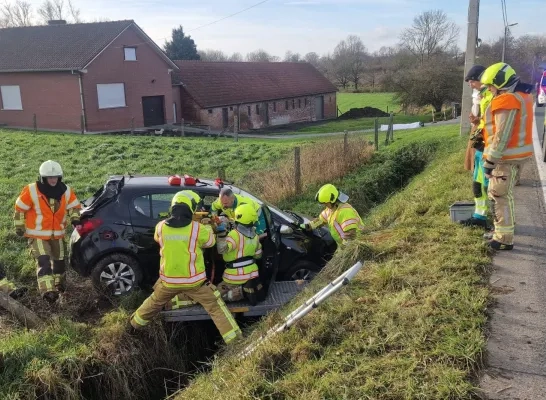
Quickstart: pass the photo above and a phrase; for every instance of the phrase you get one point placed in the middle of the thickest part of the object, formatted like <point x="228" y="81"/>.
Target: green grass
<point x="382" y="101"/>
<point x="410" y="326"/>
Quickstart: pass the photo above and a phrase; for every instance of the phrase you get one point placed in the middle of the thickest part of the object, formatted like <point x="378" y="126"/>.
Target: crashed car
<point x="115" y="245"/>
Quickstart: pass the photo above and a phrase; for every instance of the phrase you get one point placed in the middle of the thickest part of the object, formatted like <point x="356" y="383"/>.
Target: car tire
<point x="117" y="274"/>
<point x="302" y="270"/>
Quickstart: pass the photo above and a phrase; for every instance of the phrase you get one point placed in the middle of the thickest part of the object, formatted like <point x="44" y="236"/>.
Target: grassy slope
<point x="410" y="326"/>
<point x="346" y="101"/>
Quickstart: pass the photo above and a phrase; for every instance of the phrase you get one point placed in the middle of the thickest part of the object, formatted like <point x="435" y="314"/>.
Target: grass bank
<point x="382" y="101"/>
<point x="410" y="326"/>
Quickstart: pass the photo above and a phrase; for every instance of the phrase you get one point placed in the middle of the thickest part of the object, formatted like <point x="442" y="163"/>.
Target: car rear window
<point x="155" y="206"/>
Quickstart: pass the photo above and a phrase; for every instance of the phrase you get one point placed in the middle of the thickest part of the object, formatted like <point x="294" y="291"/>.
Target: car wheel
<point x="302" y="270"/>
<point x="117" y="274"/>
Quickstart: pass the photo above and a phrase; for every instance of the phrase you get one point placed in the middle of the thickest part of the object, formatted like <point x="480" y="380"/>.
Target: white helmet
<point x="50" y="168"/>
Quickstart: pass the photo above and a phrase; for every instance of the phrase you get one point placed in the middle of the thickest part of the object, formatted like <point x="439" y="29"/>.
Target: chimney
<point x="56" y="22"/>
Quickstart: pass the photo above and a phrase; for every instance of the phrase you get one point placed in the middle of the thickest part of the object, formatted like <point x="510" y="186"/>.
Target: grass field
<point x="382" y="101"/>
<point x="410" y="326"/>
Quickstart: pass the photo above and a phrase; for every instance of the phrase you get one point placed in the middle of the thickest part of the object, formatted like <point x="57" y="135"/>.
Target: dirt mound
<point x="365" y="112"/>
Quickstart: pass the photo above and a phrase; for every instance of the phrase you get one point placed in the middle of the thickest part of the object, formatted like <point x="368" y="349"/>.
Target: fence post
<point x="235" y="127"/>
<point x="82" y="124"/>
<point x="433" y="121"/>
<point x="35" y="123"/>
<point x="445" y="118"/>
<point x="182" y="134"/>
<point x="297" y="170"/>
<point x="222" y="173"/>
<point x="346" y="142"/>
<point x="132" y="125"/>
<point x="391" y="126"/>
<point x="376" y="132"/>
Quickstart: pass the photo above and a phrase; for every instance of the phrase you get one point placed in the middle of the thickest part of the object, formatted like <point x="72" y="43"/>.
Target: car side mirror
<point x="286" y="230"/>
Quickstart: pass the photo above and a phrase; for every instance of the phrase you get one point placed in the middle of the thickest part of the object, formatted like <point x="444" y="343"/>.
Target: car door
<point x="271" y="250"/>
<point x="147" y="209"/>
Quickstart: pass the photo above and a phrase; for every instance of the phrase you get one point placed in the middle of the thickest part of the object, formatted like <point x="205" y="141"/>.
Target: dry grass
<point x="320" y="162"/>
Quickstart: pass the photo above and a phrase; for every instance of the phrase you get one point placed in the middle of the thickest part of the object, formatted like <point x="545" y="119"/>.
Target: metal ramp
<point x="279" y="294"/>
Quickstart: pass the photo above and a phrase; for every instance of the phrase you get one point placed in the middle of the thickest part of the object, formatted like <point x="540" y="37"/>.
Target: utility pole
<point x="504" y="41"/>
<point x="470" y="59"/>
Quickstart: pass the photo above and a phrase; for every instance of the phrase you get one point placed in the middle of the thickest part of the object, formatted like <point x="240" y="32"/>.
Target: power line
<point x="202" y="26"/>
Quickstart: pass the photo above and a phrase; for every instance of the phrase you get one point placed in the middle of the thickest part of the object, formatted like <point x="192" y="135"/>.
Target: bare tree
<point x="236" y="57"/>
<point x="431" y="33"/>
<point x="357" y="54"/>
<point x="341" y="64"/>
<point x="261" y="55"/>
<point x="312" y="58"/>
<point x="59" y="10"/>
<point x="292" y="57"/>
<point x="18" y="13"/>
<point x="212" y="55"/>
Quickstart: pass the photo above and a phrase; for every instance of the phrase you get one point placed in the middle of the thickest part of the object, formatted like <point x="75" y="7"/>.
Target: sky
<point x="303" y="26"/>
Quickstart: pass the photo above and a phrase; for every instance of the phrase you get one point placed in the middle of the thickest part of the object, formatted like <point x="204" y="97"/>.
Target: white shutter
<point x="11" y="98"/>
<point x="111" y="95"/>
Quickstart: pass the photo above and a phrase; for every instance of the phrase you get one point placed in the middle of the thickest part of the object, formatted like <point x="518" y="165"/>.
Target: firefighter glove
<point x="19" y="232"/>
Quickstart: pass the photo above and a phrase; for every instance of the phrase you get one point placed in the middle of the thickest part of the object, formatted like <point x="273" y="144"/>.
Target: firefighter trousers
<point x="479" y="187"/>
<point x="501" y="194"/>
<point x="51" y="266"/>
<point x="206" y="295"/>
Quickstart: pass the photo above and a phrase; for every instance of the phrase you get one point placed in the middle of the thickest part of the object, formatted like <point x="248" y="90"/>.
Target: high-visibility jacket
<point x="44" y="218"/>
<point x="509" y="137"/>
<point x="182" y="263"/>
<point x="486" y="97"/>
<point x="239" y="257"/>
<point x="216" y="206"/>
<point x="340" y="221"/>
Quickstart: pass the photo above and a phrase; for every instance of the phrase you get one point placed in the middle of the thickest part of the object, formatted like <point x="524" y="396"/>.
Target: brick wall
<point x="148" y="76"/>
<point x="279" y="112"/>
<point x="53" y="96"/>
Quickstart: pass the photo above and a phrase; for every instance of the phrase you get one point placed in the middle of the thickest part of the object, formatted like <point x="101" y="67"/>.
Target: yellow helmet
<point x="188" y="197"/>
<point x="327" y="194"/>
<point x="500" y="75"/>
<point x="246" y="214"/>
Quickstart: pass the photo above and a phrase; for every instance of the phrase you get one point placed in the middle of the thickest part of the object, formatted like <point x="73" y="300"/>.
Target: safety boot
<point x="500" y="246"/>
<point x="474" y="222"/>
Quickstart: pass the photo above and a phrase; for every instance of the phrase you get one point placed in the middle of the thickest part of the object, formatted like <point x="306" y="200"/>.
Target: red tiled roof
<point x="214" y="84"/>
<point x="56" y="47"/>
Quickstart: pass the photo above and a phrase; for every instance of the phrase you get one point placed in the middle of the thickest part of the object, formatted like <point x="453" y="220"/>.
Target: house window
<point x="275" y="106"/>
<point x="111" y="95"/>
<point x="11" y="97"/>
<point x="249" y="111"/>
<point x="305" y="101"/>
<point x="257" y="109"/>
<point x="130" y="53"/>
<point x="293" y="103"/>
<point x="286" y="105"/>
<point x="210" y="110"/>
<point x="299" y="103"/>
<point x="231" y="109"/>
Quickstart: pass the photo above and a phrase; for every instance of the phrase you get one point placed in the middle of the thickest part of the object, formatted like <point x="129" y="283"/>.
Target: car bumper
<point x="78" y="261"/>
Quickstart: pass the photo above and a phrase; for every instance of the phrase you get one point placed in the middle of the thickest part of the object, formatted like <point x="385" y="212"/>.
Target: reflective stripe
<point x="139" y="320"/>
<point x="243" y="263"/>
<point x="240" y="250"/>
<point x="75" y="203"/>
<point x="19" y="203"/>
<point x="235" y="331"/>
<point x="160" y="237"/>
<point x="259" y="251"/>
<point x="238" y="277"/>
<point x="349" y="222"/>
<point x="35" y="199"/>
<point x="184" y="281"/>
<point x="192" y="246"/>
<point x="522" y="122"/>
<point x="519" y="150"/>
<point x="211" y="240"/>
<point x="47" y="232"/>
<point x="230" y="240"/>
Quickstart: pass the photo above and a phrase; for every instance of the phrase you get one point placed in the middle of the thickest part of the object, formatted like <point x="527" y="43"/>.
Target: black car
<point x="115" y="243"/>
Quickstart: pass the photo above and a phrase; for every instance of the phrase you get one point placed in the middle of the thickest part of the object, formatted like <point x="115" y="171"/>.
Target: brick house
<point x="252" y="95"/>
<point x="96" y="76"/>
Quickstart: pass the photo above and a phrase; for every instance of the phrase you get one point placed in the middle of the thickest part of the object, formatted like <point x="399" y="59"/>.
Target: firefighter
<point x="240" y="249"/>
<point x="41" y="212"/>
<point x="480" y="183"/>
<point x="342" y="219"/>
<point x="508" y="143"/>
<point x="182" y="269"/>
<point x="228" y="201"/>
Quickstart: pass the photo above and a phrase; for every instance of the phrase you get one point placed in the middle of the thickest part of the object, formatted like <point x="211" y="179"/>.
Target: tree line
<point x="21" y="13"/>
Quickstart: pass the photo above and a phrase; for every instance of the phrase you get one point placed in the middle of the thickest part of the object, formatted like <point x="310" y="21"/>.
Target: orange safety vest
<point x="41" y="222"/>
<point x="520" y="144"/>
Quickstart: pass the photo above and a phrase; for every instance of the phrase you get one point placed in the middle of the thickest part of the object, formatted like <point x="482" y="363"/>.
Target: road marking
<point x="538" y="155"/>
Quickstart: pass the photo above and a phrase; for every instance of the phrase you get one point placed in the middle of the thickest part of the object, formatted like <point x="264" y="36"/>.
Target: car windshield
<point x="273" y="209"/>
